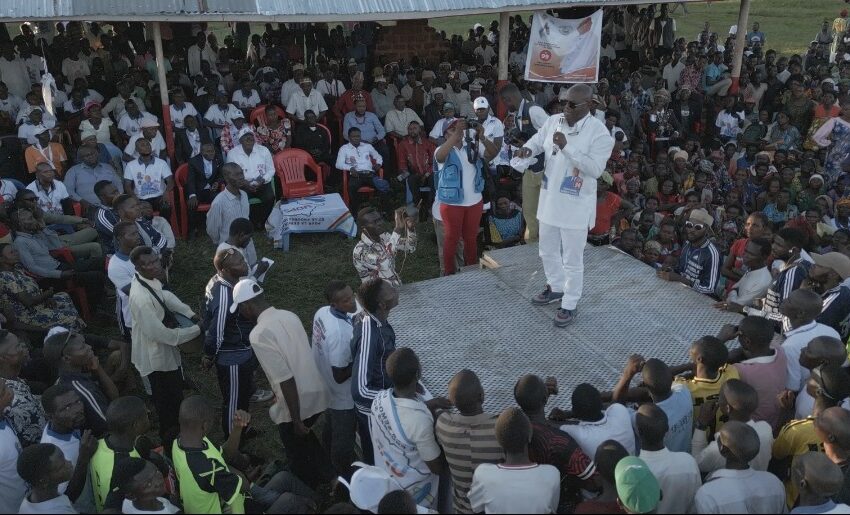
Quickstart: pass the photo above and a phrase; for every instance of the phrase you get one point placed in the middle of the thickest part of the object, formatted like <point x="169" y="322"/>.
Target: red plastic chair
<point x="289" y="167"/>
<point x="368" y="190"/>
<point x="259" y="114"/>
<point x="181" y="175"/>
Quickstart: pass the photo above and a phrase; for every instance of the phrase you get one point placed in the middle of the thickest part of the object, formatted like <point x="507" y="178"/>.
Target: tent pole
<point x="163" y="89"/>
<point x="740" y="42"/>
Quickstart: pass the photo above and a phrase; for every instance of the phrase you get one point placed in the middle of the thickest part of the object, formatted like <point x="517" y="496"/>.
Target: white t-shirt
<point x="470" y="196"/>
<point x="8" y="190"/>
<point x="50" y="201"/>
<point x="502" y="489"/>
<point x="708" y="455"/>
<point x="12" y="487"/>
<point x="167" y="507"/>
<point x="179" y="115"/>
<point x="740" y="491"/>
<point x="677" y="474"/>
<point x="68" y="444"/>
<point x="121" y="274"/>
<point x="616" y="424"/>
<point x="59" y="504"/>
<point x="242" y="101"/>
<point x="728" y="124"/>
<point x="157" y="145"/>
<point x="148" y="178"/>
<point x="332" y="348"/>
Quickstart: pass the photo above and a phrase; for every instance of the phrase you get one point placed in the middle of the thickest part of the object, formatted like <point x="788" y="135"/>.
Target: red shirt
<point x="345" y="104"/>
<point x="737" y="251"/>
<point x="416" y="158"/>
<point x="605" y="211"/>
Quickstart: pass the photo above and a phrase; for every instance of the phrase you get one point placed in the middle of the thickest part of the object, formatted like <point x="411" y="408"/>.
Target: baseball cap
<point x="481" y="103"/>
<point x="381" y="78"/>
<point x="701" y="216"/>
<point x="149" y="122"/>
<point x="447" y="106"/>
<point x="245" y="290"/>
<point x="428" y="74"/>
<point x="834" y="260"/>
<point x="637" y="487"/>
<point x="297" y="66"/>
<point x="816" y="176"/>
<point x="244" y="131"/>
<point x="352" y="62"/>
<point x="306" y="80"/>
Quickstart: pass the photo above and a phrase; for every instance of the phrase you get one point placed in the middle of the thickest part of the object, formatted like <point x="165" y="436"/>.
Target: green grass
<point x="789" y="25"/>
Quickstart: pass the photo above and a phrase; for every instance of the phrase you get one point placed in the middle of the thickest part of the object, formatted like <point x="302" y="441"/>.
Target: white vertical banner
<point x="564" y="50"/>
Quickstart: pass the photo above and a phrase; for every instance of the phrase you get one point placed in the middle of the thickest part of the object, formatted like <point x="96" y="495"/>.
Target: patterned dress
<point x="25" y="414"/>
<point x="63" y="313"/>
<point x="834" y="134"/>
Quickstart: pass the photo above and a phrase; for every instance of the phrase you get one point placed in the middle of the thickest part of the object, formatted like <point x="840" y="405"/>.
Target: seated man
<point x="188" y="142"/>
<point x="150" y="132"/>
<point x="52" y="195"/>
<point x="415" y="162"/>
<point x="149" y="178"/>
<point x="77" y="233"/>
<point x="105" y="216"/>
<point x="306" y="99"/>
<point x="314" y="140"/>
<point x="45" y="151"/>
<point x="45" y="467"/>
<point x="158" y="223"/>
<point x="699" y="264"/>
<point x="258" y="168"/>
<point x="374" y="254"/>
<point x="370" y="128"/>
<point x="398" y="120"/>
<point x="362" y="162"/>
<point x="203" y="182"/>
<point x="80" y="180"/>
<point x="34" y="243"/>
<point x="129" y="209"/>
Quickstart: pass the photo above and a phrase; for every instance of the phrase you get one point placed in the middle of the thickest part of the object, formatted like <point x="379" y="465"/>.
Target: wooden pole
<point x="740" y="42"/>
<point x="504" y="42"/>
<point x="163" y="89"/>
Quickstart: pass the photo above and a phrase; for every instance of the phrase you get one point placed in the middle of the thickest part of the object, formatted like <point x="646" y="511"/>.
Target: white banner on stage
<point x="564" y="50"/>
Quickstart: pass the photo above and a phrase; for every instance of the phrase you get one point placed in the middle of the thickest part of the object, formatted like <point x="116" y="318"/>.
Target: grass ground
<point x="789" y="25"/>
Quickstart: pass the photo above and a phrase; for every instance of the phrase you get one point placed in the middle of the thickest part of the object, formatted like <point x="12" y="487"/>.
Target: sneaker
<point x="547" y="296"/>
<point x="564" y="317"/>
<point x="262" y="395"/>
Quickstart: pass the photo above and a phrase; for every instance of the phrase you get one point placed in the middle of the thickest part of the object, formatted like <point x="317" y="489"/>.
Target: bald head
<point x="739" y="397"/>
<point x="814" y="472"/>
<point x="833" y="427"/>
<point x="739" y="441"/>
<point x="651" y="423"/>
<point x="466" y="392"/>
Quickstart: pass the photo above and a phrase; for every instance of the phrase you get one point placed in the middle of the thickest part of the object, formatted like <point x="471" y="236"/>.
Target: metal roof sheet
<point x="270" y="10"/>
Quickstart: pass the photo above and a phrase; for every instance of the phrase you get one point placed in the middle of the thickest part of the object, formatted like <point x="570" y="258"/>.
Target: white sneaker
<point x="262" y="395"/>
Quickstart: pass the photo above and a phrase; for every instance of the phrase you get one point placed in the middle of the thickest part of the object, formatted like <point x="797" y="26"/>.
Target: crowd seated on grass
<point x="741" y="193"/>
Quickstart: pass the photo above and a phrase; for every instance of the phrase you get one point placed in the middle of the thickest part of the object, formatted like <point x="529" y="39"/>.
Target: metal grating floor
<point x="483" y="320"/>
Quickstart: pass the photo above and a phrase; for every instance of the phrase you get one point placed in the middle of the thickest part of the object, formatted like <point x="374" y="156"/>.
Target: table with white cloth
<point x="319" y="213"/>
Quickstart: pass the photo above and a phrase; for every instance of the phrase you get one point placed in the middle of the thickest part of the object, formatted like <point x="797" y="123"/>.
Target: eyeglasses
<point x="65" y="344"/>
<point x="227" y="254"/>
<point x="573" y="105"/>
<point x="817" y="375"/>
<point x="691" y="225"/>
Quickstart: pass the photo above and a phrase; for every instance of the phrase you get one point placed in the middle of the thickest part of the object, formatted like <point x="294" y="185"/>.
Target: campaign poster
<point x="564" y="50"/>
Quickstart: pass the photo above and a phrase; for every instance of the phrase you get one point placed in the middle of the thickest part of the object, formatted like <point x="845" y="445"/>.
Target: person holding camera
<point x="576" y="146"/>
<point x="494" y="129"/>
<point x="460" y="181"/>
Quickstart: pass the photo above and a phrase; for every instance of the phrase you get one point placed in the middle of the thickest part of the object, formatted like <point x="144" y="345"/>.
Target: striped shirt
<point x="94" y="400"/>
<point x="789" y="279"/>
<point x="467" y="441"/>
<point x="701" y="266"/>
<point x="551" y="446"/>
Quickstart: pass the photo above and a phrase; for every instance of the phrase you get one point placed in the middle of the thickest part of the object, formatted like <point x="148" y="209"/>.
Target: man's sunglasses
<point x="68" y="336"/>
<point x="227" y="254"/>
<point x="573" y="105"/>
<point x="691" y="225"/>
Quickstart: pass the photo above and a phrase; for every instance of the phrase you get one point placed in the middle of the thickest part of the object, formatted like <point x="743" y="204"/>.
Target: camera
<point x="472" y="122"/>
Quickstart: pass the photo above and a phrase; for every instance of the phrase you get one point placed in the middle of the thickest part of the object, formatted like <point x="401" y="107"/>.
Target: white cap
<point x="369" y="484"/>
<point x="733" y="30"/>
<point x="245" y="290"/>
<point x="149" y="122"/>
<point x="481" y="103"/>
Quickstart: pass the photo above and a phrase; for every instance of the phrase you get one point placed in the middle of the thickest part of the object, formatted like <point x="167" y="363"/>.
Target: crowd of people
<point x="738" y="192"/>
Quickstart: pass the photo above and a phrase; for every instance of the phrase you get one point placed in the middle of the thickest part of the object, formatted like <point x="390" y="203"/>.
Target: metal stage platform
<point x="483" y="320"/>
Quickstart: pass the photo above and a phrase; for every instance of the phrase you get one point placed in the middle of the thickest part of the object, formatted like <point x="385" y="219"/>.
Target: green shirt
<point x="206" y="482"/>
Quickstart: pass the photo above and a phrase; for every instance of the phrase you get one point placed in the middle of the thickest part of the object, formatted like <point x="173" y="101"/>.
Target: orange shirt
<point x="54" y="153"/>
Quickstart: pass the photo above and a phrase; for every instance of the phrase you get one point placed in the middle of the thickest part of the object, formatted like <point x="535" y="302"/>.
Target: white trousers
<point x="562" y="253"/>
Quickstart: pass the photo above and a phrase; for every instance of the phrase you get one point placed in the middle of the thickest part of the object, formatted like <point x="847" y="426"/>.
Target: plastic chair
<point x="181" y="175"/>
<point x="289" y="167"/>
<point x="259" y="114"/>
<point x="368" y="190"/>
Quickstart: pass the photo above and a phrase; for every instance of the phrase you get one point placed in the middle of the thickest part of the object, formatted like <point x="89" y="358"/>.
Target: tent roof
<point x="271" y="10"/>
